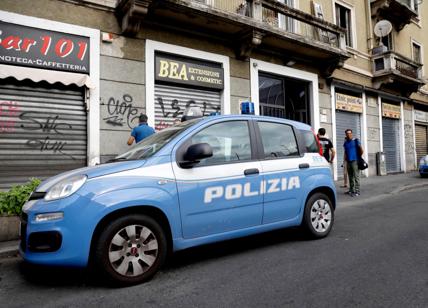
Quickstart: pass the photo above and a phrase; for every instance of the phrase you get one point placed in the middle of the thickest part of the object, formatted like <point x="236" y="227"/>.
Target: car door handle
<point x="304" y="166"/>
<point x="251" y="171"/>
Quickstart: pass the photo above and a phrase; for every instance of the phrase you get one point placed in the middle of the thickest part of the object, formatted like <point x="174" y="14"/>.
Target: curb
<point x="9" y="249"/>
<point x="408" y="187"/>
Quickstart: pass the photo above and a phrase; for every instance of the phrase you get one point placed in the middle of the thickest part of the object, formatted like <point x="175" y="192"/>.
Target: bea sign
<point x="27" y="46"/>
<point x="193" y="72"/>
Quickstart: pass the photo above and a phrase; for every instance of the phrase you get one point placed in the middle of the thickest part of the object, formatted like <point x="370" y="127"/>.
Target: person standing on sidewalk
<point x="140" y="132"/>
<point x="327" y="146"/>
<point x="353" y="149"/>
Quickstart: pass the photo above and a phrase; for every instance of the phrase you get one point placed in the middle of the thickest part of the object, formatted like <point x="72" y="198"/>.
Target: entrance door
<point x="391" y="144"/>
<point x="345" y="120"/>
<point x="283" y="97"/>
<point x="421" y="141"/>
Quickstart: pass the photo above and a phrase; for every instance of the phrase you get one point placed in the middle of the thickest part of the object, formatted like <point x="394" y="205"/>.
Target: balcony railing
<point x="393" y="62"/>
<point x="284" y="18"/>
<point x="396" y="72"/>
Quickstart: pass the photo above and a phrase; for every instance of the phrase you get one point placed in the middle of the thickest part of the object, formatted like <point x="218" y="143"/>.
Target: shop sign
<point x="31" y="47"/>
<point x="189" y="73"/>
<point x="349" y="103"/>
<point x="391" y="111"/>
<point x="421" y="116"/>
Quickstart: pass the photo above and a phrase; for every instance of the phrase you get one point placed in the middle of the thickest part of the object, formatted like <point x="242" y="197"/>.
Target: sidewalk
<point x="375" y="188"/>
<point x="372" y="189"/>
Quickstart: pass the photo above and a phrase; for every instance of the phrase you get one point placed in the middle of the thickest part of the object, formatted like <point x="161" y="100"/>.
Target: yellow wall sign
<point x="349" y="103"/>
<point x="391" y="111"/>
<point x="192" y="73"/>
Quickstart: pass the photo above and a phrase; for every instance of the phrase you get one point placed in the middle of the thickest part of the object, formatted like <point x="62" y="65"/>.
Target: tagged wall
<point x="409" y="137"/>
<point x="121" y="102"/>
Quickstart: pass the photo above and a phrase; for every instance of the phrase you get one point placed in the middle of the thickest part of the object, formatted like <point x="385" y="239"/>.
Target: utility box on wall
<point x="380" y="163"/>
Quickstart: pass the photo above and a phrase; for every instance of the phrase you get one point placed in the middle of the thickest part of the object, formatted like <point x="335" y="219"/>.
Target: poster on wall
<point x="391" y="111"/>
<point x="39" y="48"/>
<point x="349" y="103"/>
<point x="421" y="116"/>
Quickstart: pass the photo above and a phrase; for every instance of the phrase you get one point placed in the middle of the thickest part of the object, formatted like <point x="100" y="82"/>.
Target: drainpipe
<point x="369" y="26"/>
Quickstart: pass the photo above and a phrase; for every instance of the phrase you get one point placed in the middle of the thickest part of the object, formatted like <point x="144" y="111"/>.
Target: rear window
<point x="310" y="143"/>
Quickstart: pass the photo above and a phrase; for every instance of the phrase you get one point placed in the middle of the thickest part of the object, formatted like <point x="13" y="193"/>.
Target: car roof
<point x="296" y="124"/>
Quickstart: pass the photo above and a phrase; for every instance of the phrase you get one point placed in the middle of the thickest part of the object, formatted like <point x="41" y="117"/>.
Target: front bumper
<point x="64" y="242"/>
<point x="423" y="169"/>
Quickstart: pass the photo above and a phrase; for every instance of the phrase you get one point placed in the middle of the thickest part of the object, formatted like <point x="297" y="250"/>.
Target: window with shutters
<point x="416" y="49"/>
<point x="344" y="20"/>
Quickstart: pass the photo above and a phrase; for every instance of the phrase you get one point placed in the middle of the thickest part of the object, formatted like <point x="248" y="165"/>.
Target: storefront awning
<point x="37" y="75"/>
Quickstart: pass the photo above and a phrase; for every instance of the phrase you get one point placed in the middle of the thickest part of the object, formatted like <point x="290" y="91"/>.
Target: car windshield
<point x="152" y="144"/>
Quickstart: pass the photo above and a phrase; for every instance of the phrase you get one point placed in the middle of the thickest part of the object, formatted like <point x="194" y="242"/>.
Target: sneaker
<point x="356" y="194"/>
<point x="348" y="192"/>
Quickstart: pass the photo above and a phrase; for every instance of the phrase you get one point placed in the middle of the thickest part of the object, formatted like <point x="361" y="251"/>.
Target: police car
<point x="423" y="166"/>
<point x="201" y="181"/>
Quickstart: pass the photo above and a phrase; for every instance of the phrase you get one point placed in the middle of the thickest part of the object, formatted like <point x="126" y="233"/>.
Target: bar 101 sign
<point x="27" y="46"/>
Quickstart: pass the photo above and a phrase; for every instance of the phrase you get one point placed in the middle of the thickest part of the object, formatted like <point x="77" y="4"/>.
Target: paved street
<point x="375" y="256"/>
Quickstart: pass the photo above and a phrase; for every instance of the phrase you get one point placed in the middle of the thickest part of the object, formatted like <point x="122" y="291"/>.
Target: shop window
<point x="283" y="97"/>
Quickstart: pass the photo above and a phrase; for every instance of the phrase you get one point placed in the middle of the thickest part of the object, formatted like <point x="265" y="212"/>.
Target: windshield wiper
<point x="116" y="159"/>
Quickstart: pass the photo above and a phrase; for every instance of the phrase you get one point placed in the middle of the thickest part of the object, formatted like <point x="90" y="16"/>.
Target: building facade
<point x="75" y="74"/>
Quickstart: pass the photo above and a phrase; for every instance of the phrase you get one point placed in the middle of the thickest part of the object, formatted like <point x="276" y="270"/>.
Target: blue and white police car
<point x="201" y="181"/>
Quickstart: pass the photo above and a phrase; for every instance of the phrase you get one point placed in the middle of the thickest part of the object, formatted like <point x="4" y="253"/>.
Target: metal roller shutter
<point x="345" y="120"/>
<point x="170" y="103"/>
<point x="391" y="144"/>
<point x="42" y="131"/>
<point x="421" y="141"/>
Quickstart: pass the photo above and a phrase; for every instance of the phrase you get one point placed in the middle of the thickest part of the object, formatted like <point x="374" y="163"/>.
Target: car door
<point x="284" y="171"/>
<point x="221" y="193"/>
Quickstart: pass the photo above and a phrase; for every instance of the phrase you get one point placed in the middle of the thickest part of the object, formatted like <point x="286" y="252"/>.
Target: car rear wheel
<point x="319" y="216"/>
<point x="131" y="249"/>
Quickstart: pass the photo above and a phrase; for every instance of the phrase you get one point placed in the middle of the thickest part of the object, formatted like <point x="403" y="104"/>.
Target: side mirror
<point x="195" y="153"/>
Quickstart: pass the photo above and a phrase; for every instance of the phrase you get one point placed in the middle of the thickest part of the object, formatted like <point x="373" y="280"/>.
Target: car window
<point x="278" y="140"/>
<point x="310" y="142"/>
<point x="230" y="142"/>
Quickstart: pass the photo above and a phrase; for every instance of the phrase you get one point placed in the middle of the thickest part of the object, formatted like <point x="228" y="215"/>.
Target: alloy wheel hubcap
<point x="321" y="215"/>
<point x="133" y="250"/>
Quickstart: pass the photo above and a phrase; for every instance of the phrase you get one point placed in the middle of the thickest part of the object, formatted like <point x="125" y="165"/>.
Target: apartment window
<point x="387" y="41"/>
<point x="343" y="19"/>
<point x="416" y="53"/>
<point x="416" y="5"/>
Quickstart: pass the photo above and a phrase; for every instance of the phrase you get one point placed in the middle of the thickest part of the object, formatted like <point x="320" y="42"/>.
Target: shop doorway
<point x="284" y="97"/>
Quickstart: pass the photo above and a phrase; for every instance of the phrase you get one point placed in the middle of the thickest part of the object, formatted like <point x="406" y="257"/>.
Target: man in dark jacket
<point x="327" y="146"/>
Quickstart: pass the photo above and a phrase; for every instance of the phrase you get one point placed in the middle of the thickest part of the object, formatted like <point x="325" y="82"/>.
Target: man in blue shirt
<point x="140" y="132"/>
<point x="353" y="150"/>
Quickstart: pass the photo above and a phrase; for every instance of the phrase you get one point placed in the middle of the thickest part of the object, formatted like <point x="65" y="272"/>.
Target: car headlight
<point x="65" y="188"/>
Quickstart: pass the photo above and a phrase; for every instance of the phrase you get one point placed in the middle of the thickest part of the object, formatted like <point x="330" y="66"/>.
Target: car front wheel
<point x="318" y="216"/>
<point x="131" y="249"/>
